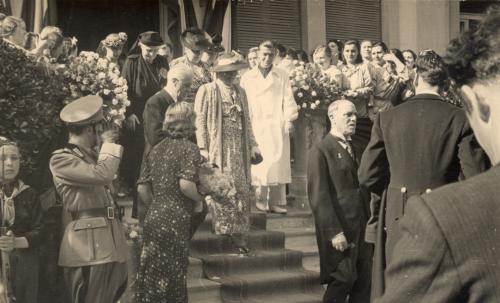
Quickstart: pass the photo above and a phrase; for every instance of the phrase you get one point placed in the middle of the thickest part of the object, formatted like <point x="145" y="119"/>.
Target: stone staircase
<point x="283" y="265"/>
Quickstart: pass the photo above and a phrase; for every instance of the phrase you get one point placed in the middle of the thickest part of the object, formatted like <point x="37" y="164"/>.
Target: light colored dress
<point x="271" y="104"/>
<point x="358" y="78"/>
<point x="223" y="128"/>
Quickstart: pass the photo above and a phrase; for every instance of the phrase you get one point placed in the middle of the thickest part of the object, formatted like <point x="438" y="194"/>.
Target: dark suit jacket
<point x="153" y="116"/>
<point x="336" y="200"/>
<point x="421" y="144"/>
<point x="450" y="245"/>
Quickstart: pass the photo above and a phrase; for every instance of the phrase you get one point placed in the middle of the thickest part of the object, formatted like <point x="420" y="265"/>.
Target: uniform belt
<point x="107" y="212"/>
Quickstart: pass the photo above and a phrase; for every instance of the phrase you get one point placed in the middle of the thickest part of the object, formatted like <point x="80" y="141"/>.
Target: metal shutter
<point x="353" y="19"/>
<point x="257" y="20"/>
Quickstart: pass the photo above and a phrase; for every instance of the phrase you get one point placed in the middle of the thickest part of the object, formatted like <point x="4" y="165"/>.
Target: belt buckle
<point x="110" y="212"/>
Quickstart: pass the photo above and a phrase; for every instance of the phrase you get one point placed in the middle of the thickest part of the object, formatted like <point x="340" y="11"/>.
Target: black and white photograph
<point x="249" y="151"/>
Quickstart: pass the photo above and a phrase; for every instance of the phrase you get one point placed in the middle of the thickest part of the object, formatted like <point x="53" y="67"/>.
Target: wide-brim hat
<point x="83" y="111"/>
<point x="195" y="39"/>
<point x="229" y="62"/>
<point x="151" y="39"/>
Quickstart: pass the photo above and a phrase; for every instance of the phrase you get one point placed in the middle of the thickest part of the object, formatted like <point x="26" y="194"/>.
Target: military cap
<point x="83" y="111"/>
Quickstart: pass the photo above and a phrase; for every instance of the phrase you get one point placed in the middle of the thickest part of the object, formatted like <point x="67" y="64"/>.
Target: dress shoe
<point x="278" y="210"/>
<point x="261" y="206"/>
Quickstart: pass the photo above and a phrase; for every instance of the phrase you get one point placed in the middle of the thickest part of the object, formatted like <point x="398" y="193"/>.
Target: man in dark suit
<point x="415" y="147"/>
<point x="340" y="209"/>
<point x="449" y="247"/>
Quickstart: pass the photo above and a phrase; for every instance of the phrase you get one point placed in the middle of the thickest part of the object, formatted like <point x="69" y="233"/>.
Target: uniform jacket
<point x="449" y="248"/>
<point x="153" y="116"/>
<point x="417" y="146"/>
<point x="82" y="178"/>
<point x="337" y="202"/>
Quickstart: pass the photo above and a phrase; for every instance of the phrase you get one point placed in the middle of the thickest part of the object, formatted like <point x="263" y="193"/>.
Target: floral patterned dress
<point x="164" y="259"/>
<point x="224" y="130"/>
<point x="233" y="217"/>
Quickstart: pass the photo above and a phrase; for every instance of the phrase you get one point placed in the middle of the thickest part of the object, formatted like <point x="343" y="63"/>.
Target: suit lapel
<point x="341" y="152"/>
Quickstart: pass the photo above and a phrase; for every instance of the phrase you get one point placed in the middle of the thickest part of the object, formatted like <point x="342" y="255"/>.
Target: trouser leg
<point x="96" y="283"/>
<point x="277" y="195"/>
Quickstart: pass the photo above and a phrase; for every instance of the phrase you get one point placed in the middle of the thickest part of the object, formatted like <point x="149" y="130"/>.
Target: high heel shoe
<point x="241" y="244"/>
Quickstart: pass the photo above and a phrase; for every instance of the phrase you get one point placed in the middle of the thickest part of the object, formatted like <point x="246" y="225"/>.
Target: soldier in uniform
<point x="415" y="147"/>
<point x="93" y="250"/>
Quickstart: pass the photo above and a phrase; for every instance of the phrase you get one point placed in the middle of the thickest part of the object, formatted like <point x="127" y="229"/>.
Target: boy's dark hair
<point x="476" y="54"/>
<point x="431" y="68"/>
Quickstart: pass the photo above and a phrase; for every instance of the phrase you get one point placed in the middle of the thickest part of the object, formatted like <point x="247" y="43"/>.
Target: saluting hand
<point x="109" y="135"/>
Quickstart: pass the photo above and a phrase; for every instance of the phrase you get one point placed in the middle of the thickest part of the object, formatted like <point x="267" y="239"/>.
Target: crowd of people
<point x="393" y="134"/>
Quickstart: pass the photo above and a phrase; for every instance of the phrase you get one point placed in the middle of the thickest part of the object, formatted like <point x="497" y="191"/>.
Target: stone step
<point x="203" y="290"/>
<point x="303" y="240"/>
<point x="295" y="218"/>
<point x="207" y="243"/>
<point x="240" y="288"/>
<point x="290" y="298"/>
<point x="257" y="222"/>
<point x="263" y="262"/>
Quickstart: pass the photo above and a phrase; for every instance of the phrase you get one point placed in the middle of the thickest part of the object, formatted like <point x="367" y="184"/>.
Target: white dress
<point x="271" y="105"/>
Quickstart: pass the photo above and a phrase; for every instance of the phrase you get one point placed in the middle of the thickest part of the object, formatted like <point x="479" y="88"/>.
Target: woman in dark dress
<point x="171" y="170"/>
<point x="21" y="223"/>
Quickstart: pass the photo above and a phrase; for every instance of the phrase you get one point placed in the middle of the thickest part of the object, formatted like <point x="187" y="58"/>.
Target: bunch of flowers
<point x="312" y="89"/>
<point x="219" y="185"/>
<point x="88" y="74"/>
<point x="31" y="98"/>
<point x="132" y="228"/>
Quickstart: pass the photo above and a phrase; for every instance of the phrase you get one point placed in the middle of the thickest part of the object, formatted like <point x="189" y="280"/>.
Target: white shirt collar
<point x="337" y="134"/>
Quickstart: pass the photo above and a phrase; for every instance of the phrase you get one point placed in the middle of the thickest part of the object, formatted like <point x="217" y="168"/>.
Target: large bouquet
<point x="30" y="101"/>
<point x="228" y="211"/>
<point x="88" y="74"/>
<point x="312" y="89"/>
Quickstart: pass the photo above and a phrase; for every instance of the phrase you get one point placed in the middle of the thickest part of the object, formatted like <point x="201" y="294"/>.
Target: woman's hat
<point x="115" y="40"/>
<point x="229" y="62"/>
<point x="151" y="39"/>
<point x="195" y="39"/>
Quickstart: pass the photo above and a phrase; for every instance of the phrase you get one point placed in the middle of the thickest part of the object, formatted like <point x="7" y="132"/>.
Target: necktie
<point x="348" y="148"/>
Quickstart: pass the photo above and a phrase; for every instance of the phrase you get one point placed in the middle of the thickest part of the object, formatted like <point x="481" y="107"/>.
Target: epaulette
<point x="66" y="150"/>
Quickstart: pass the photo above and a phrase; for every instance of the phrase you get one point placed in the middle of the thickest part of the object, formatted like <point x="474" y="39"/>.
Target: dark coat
<point x="336" y="200"/>
<point x="153" y="116"/>
<point x="448" y="250"/>
<point x="143" y="80"/>
<point x="417" y="146"/>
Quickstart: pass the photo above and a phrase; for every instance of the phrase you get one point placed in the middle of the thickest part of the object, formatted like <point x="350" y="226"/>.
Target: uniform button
<point x="428" y="190"/>
<point x="89" y="225"/>
<point x="403" y="190"/>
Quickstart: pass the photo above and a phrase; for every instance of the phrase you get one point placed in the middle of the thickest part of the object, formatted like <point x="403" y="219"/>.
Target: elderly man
<point x="415" y="147"/>
<point x="340" y="209"/>
<point x="448" y="250"/>
<point x="178" y="84"/>
<point x="146" y="74"/>
<point x="272" y="111"/>
<point x="93" y="250"/>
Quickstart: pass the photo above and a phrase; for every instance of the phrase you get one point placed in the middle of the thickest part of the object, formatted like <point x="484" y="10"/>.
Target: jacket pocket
<point x="90" y="239"/>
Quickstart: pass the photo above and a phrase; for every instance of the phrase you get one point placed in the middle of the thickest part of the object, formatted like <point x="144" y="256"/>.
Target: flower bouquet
<point x="88" y="74"/>
<point x="229" y="214"/>
<point x="312" y="89"/>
